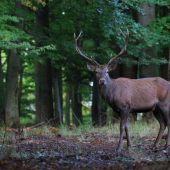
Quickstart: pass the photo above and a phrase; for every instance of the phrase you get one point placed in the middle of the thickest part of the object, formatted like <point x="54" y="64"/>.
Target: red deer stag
<point x="125" y="95"/>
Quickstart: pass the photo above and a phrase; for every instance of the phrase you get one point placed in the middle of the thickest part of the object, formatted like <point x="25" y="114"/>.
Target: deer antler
<point x="123" y="49"/>
<point x="78" y="50"/>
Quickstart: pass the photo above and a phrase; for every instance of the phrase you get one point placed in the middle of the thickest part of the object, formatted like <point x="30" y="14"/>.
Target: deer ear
<point x="91" y="67"/>
<point x="112" y="66"/>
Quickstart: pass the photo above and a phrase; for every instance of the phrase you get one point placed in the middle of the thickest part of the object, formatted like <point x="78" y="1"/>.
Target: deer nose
<point x="102" y="81"/>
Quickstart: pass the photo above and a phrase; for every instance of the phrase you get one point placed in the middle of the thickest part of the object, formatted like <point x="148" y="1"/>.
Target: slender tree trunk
<point x="67" y="107"/>
<point x="37" y="68"/>
<point x="2" y="95"/>
<point x="60" y="85"/>
<point x="95" y="103"/>
<point x="57" y="99"/>
<point x="76" y="105"/>
<point x="80" y="107"/>
<point x="20" y="87"/>
<point x="103" y="112"/>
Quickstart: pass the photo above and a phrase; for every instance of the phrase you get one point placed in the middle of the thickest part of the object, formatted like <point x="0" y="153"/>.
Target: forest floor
<point x="93" y="151"/>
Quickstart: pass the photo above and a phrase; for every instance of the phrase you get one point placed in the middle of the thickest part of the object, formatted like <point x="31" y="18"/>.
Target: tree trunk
<point x="20" y="86"/>
<point x="95" y="103"/>
<point x="60" y="85"/>
<point x="43" y="91"/>
<point x="11" y="95"/>
<point x="44" y="97"/>
<point x="128" y="71"/>
<point x="76" y="105"/>
<point x="2" y="99"/>
<point x="57" y="103"/>
<point x="99" y="106"/>
<point x="151" y="70"/>
<point x="164" y="67"/>
<point x="46" y="91"/>
<point x="37" y="68"/>
<point x="103" y="112"/>
<point x="67" y="107"/>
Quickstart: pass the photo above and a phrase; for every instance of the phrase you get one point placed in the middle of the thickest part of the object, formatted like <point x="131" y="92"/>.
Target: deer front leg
<point x="123" y="116"/>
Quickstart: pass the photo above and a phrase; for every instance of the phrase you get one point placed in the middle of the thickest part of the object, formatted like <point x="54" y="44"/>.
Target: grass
<point x="143" y="129"/>
<point x="138" y="128"/>
<point x="27" y="121"/>
<point x="8" y="139"/>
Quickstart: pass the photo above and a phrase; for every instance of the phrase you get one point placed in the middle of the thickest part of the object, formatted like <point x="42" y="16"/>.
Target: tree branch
<point x="34" y="34"/>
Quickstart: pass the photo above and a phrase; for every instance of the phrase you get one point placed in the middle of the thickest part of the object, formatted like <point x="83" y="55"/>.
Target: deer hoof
<point x="118" y="150"/>
<point x="129" y="144"/>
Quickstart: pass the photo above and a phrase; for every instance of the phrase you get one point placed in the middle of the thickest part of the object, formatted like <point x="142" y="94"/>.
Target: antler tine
<point x="79" y="52"/>
<point x="123" y="49"/>
<point x="122" y="33"/>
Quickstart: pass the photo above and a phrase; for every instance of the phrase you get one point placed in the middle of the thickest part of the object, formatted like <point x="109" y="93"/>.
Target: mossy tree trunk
<point x="13" y="68"/>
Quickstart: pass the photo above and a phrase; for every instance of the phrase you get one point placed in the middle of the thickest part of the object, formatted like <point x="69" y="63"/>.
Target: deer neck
<point x="106" y="88"/>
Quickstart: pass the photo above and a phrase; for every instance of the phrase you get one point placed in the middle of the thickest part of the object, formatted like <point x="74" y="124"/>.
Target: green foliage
<point x="99" y="20"/>
<point x="33" y="4"/>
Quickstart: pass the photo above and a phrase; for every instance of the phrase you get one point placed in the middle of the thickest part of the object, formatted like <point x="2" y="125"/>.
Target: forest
<point x="47" y="92"/>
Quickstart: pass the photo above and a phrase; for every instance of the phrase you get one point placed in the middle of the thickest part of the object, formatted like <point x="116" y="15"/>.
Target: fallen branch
<point x="161" y="149"/>
<point x="33" y="127"/>
<point x="29" y="128"/>
<point x="40" y="124"/>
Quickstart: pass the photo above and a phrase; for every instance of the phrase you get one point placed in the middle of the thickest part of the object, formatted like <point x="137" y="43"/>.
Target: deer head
<point x="102" y="70"/>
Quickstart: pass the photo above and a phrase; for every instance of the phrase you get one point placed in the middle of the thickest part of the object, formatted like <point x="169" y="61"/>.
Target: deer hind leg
<point x="167" y="119"/>
<point x="123" y="124"/>
<point x="127" y="134"/>
<point x="162" y="123"/>
<point x="165" y="115"/>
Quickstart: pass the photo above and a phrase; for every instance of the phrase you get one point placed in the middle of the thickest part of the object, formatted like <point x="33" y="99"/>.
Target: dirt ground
<point x="93" y="151"/>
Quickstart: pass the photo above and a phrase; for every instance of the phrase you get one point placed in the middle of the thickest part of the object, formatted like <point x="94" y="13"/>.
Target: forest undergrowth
<point x="85" y="147"/>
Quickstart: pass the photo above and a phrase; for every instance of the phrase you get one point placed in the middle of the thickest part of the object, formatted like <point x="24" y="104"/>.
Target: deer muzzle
<point x="102" y="81"/>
